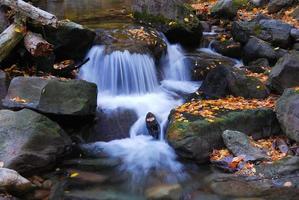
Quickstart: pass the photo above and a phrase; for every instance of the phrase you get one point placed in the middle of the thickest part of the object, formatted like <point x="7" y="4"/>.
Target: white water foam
<point x="140" y="154"/>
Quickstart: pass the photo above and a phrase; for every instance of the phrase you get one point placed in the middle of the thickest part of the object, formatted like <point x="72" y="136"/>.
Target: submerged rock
<point x="239" y="144"/>
<point x="52" y="96"/>
<point x="164" y="192"/>
<point x="287" y="111"/>
<point x="196" y="138"/>
<point x="12" y="181"/>
<point x="30" y="141"/>
<point x="173" y="17"/>
<point x="222" y="81"/>
<point x="285" y="73"/>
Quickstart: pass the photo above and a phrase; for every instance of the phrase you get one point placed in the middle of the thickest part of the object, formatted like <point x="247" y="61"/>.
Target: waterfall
<point x="120" y="72"/>
<point x="129" y="81"/>
<point x="174" y="66"/>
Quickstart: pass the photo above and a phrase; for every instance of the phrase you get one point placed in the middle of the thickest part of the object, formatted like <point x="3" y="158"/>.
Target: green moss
<point x="240" y="3"/>
<point x="257" y="29"/>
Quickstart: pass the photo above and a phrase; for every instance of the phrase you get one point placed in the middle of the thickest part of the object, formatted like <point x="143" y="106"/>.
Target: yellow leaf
<point x="18" y="30"/>
<point x="186" y="19"/>
<point x="73" y="175"/>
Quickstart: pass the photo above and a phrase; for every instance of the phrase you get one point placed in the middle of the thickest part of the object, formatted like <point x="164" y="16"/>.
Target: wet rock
<point x="173" y="17"/>
<point x="254" y="187"/>
<point x="256" y="48"/>
<point x="52" y="96"/>
<point x="111" y="125"/>
<point x="197" y="138"/>
<point x="30" y="142"/>
<point x="201" y="63"/>
<point x="285" y="166"/>
<point x="90" y="164"/>
<point x="165" y="192"/>
<point x="222" y="81"/>
<point x="12" y="181"/>
<point x="285" y="73"/>
<point x="296" y="46"/>
<point x="67" y="39"/>
<point x="85" y="177"/>
<point x="287" y="111"/>
<point x="239" y="144"/>
<point x="276" y="5"/>
<point x="228" y="48"/>
<point x="152" y="125"/>
<point x="241" y="30"/>
<point x="226" y="8"/>
<point x="135" y="39"/>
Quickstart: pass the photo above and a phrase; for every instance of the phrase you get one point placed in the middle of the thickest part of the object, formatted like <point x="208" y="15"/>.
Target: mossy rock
<point x="196" y="138"/>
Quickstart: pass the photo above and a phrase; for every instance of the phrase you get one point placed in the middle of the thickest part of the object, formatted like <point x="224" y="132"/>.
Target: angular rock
<point x="173" y="17"/>
<point x="276" y="5"/>
<point x="258" y="66"/>
<point x="273" y="31"/>
<point x="259" y="3"/>
<point x="30" y="142"/>
<point x="295" y="13"/>
<point x="222" y="81"/>
<point x="285" y="73"/>
<point x="201" y="63"/>
<point x="52" y="96"/>
<point x="197" y="138"/>
<point x="226" y="8"/>
<point x="12" y="181"/>
<point x="256" y="48"/>
<point x="239" y="144"/>
<point x="228" y="48"/>
<point x="287" y="111"/>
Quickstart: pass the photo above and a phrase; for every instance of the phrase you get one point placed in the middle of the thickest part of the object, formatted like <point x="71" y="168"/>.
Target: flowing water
<point x="129" y="81"/>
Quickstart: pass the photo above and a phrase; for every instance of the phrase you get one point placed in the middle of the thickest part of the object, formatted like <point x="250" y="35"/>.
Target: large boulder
<point x="201" y="63"/>
<point x="30" y="141"/>
<point x="12" y="181"/>
<point x="256" y="48"/>
<point x="227" y="8"/>
<point x="52" y="96"/>
<point x="228" y="48"/>
<point x="223" y="80"/>
<point x="70" y="40"/>
<point x="173" y="17"/>
<point x="273" y="31"/>
<point x="135" y="39"/>
<point x="195" y="138"/>
<point x="285" y="73"/>
<point x="287" y="111"/>
<point x="276" y="5"/>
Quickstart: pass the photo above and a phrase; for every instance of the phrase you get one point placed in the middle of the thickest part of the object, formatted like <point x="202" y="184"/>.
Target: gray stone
<point x="285" y="73"/>
<point x="277" y="5"/>
<point x="12" y="181"/>
<point x="239" y="144"/>
<point x="295" y="33"/>
<point x="197" y="138"/>
<point x="225" y="8"/>
<point x="287" y="111"/>
<point x="30" y="141"/>
<point x="52" y="96"/>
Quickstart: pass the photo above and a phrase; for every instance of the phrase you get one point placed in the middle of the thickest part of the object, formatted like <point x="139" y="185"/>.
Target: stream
<point x="130" y="82"/>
